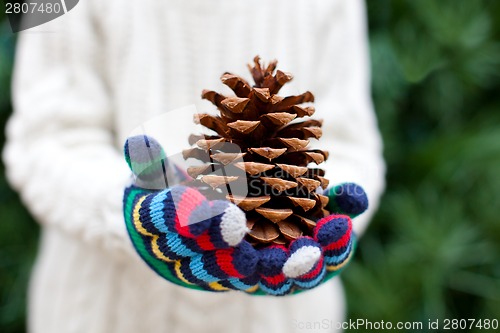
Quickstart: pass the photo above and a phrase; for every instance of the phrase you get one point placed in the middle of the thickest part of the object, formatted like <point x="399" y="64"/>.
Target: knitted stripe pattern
<point x="206" y="256"/>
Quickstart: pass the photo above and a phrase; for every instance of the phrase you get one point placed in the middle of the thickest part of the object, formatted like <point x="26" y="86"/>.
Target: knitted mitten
<point x="198" y="243"/>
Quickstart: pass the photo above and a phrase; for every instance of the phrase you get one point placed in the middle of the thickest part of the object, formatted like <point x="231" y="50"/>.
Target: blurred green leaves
<point x="18" y="232"/>
<point x="6" y="60"/>
<point x="433" y="249"/>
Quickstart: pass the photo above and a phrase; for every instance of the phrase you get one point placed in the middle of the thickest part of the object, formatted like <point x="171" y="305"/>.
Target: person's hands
<point x="192" y="241"/>
<point x="308" y="259"/>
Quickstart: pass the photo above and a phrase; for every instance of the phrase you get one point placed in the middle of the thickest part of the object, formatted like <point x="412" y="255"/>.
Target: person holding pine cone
<point x="295" y="234"/>
<point x="188" y="254"/>
<point x="265" y="261"/>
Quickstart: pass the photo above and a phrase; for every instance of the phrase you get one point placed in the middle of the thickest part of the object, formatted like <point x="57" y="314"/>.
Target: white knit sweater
<point x="85" y="80"/>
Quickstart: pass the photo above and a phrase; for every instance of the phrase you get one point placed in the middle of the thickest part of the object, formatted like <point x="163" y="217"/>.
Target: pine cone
<point x="283" y="202"/>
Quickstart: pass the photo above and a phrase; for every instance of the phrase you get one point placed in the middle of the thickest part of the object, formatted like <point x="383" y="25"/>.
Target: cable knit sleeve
<point x="60" y="152"/>
<point x="343" y="99"/>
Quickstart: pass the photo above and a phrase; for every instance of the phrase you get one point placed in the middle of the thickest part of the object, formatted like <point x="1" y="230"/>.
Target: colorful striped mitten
<point x="199" y="244"/>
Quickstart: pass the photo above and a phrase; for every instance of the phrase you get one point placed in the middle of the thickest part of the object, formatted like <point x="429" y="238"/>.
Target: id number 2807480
<point x="470" y="324"/>
<point x="32" y="7"/>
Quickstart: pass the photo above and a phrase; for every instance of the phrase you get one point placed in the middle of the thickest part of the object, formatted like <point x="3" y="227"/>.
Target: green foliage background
<point x="433" y="249"/>
<point x="18" y="231"/>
